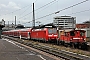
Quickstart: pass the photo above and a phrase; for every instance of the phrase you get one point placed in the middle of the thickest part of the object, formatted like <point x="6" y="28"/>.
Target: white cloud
<point x="10" y="5"/>
<point x="13" y="5"/>
<point x="2" y="5"/>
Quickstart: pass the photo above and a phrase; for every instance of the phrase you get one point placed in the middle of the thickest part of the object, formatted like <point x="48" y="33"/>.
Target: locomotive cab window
<point x="66" y="34"/>
<point x="52" y="30"/>
<point x="81" y="33"/>
<point x="72" y="33"/>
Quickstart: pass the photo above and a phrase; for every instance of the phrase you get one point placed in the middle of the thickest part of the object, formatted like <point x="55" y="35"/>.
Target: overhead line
<point x="16" y="10"/>
<point x="28" y="8"/>
<point x="46" y="4"/>
<point x="80" y="11"/>
<point x="62" y="9"/>
<point x="35" y="1"/>
<point x="25" y="10"/>
<point x="39" y="8"/>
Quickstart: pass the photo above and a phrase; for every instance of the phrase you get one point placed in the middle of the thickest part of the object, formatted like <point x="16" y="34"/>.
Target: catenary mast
<point x="33" y="17"/>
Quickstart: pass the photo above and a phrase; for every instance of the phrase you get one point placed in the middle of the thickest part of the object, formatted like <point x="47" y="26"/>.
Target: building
<point x="87" y="34"/>
<point x="81" y="26"/>
<point x="12" y="27"/>
<point x="64" y="22"/>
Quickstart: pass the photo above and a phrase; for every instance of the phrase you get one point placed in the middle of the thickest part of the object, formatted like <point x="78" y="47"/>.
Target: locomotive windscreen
<point x="72" y="33"/>
<point x="52" y="30"/>
<point x="77" y="32"/>
<point x="82" y="33"/>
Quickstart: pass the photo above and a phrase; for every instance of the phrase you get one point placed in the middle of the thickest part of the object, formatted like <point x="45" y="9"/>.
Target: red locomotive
<point x="75" y="38"/>
<point x="45" y="34"/>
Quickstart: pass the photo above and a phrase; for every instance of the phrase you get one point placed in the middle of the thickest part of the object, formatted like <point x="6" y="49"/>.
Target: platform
<point x="10" y="50"/>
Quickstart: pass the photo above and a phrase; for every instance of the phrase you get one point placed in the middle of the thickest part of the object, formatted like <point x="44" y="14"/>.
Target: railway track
<point x="54" y="51"/>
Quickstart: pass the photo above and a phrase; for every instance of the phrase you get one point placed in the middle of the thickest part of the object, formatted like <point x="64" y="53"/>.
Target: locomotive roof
<point x="68" y="30"/>
<point x="45" y="26"/>
<point x="48" y="26"/>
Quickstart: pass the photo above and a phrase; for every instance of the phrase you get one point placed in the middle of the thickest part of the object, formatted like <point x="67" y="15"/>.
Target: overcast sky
<point x="23" y="10"/>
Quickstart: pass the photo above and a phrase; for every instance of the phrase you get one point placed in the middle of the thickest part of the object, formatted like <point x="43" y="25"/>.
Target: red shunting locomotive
<point x="72" y="37"/>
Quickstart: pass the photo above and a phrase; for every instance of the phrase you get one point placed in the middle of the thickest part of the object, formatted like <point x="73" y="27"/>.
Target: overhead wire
<point x="63" y="9"/>
<point x="47" y="6"/>
<point x="27" y="8"/>
<point x="80" y="12"/>
<point x="35" y="1"/>
<point x="21" y="9"/>
<point x="38" y="8"/>
<point x="16" y="10"/>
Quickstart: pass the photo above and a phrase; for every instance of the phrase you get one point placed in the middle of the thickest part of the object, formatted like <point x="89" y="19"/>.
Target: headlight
<point x="85" y="40"/>
<point x="70" y="39"/>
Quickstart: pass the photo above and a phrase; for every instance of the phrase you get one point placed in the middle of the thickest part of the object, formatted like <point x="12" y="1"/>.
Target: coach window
<point x="72" y="33"/>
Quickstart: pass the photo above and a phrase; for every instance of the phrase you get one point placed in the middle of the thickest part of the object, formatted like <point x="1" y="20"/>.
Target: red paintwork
<point x="39" y="34"/>
<point x="48" y="34"/>
<point x="16" y="33"/>
<point x="25" y="33"/>
<point x="77" y="38"/>
<point x="42" y="34"/>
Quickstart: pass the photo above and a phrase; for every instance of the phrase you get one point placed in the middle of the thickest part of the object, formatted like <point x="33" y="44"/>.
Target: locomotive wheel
<point x="73" y="46"/>
<point x="62" y="43"/>
<point x="77" y="45"/>
<point x="58" y="43"/>
<point x="45" y="41"/>
<point x="84" y="46"/>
